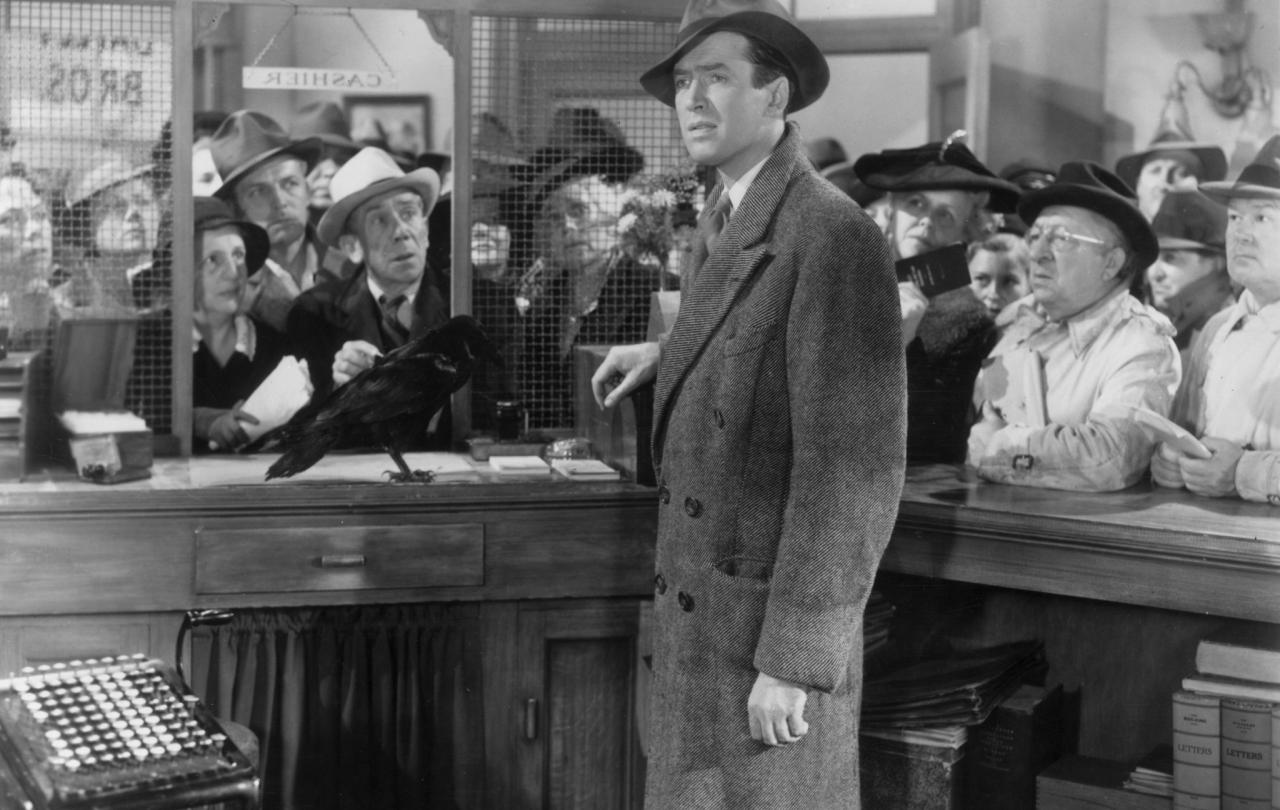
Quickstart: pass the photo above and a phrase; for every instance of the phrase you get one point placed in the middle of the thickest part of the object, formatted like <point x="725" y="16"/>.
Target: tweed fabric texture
<point x="779" y="430"/>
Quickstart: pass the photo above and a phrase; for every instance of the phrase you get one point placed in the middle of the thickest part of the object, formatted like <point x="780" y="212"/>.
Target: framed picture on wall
<point x="402" y="123"/>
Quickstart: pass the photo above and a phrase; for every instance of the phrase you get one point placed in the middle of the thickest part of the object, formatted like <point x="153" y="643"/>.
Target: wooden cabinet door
<point x="578" y="716"/>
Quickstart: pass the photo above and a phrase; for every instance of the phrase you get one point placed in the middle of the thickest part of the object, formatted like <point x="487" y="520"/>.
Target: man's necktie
<point x="714" y="220"/>
<point x="391" y="322"/>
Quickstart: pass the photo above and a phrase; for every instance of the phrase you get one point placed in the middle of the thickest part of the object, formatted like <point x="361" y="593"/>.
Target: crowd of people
<point x="1094" y="295"/>
<point x="1091" y="292"/>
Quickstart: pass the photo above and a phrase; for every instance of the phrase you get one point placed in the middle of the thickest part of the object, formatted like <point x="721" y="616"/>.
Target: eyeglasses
<point x="1060" y="239"/>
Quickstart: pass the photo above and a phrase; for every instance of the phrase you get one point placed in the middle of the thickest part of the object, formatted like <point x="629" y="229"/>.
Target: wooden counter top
<point x="206" y="532"/>
<point x="1145" y="545"/>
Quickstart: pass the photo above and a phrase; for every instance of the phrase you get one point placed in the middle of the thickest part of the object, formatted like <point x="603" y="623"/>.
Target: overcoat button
<point x="719" y="417"/>
<point x="660" y="584"/>
<point x="664" y="494"/>
<point x="686" y="602"/>
<point x="692" y="507"/>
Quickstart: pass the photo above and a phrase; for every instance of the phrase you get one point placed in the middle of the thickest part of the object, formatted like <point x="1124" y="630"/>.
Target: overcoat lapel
<point x="742" y="249"/>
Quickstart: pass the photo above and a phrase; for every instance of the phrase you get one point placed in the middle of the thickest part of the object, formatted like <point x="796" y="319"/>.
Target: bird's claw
<point x="415" y="477"/>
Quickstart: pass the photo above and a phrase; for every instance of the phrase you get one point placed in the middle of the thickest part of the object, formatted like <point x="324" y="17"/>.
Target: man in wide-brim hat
<point x="1230" y="395"/>
<point x="1189" y="281"/>
<point x="264" y="177"/>
<point x="785" y="363"/>
<point x="1056" y="393"/>
<point x="379" y="221"/>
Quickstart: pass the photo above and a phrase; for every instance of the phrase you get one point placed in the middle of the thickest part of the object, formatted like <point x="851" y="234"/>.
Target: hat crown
<point x="320" y="118"/>
<point x="1091" y="175"/>
<point x="245" y="135"/>
<point x="107" y="171"/>
<point x="370" y="165"/>
<point x="1192" y="217"/>
<point x="700" y="10"/>
<point x="210" y="212"/>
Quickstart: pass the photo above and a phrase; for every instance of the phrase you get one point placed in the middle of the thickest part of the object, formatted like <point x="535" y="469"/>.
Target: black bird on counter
<point x="388" y="405"/>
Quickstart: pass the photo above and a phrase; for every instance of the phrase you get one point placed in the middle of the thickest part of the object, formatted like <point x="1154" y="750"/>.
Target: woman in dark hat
<point x="234" y="352"/>
<point x="580" y="286"/>
<point x="1189" y="281"/>
<point x="940" y="195"/>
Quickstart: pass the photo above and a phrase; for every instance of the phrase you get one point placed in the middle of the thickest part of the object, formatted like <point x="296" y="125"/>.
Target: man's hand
<point x="1166" y="466"/>
<point x="354" y="357"/>
<point x="1214" y="477"/>
<point x="638" y="363"/>
<point x="225" y="431"/>
<point x="775" y="711"/>
<point x="982" y="431"/>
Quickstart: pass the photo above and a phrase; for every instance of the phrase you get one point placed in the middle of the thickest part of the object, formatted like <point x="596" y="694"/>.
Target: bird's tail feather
<point x="304" y="452"/>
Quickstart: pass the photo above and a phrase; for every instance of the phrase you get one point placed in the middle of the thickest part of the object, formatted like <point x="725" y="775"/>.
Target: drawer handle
<point x="342" y="561"/>
<point x="531" y="719"/>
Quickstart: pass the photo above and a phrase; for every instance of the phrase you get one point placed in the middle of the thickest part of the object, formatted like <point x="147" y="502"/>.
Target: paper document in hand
<point x="1163" y="430"/>
<point x="286" y="389"/>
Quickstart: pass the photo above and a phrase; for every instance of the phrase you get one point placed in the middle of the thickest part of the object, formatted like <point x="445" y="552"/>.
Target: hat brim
<point x="145" y="170"/>
<point x="257" y="244"/>
<point x="424" y="181"/>
<point x="1124" y="214"/>
<point x="878" y="171"/>
<point x="807" y="61"/>
<point x="307" y="149"/>
<point x="1212" y="159"/>
<point x="1174" y="243"/>
<point x="1223" y="191"/>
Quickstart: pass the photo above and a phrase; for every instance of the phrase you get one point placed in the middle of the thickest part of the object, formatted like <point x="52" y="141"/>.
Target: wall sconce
<point x="1227" y="34"/>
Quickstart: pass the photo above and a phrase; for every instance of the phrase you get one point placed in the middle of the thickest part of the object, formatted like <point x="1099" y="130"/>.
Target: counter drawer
<point x="286" y="559"/>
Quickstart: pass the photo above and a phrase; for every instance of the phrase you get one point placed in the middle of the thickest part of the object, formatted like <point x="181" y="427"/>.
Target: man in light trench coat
<point x="778" y="436"/>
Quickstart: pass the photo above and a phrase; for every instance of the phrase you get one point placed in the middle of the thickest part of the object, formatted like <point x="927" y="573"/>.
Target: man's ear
<point x="350" y="247"/>
<point x="779" y="96"/>
<point x="1114" y="262"/>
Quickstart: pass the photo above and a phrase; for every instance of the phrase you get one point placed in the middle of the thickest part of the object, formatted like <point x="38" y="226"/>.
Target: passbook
<point x="937" y="271"/>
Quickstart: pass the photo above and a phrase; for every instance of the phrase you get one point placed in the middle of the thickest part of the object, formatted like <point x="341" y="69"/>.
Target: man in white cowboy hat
<point x="1230" y="395"/>
<point x="379" y="221"/>
<point x="778" y="437"/>
<point x="264" y="176"/>
<point x="1056" y="394"/>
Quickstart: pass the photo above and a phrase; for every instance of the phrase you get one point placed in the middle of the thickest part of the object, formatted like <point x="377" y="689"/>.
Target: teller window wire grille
<point x="570" y="233"/>
<point x="86" y="189"/>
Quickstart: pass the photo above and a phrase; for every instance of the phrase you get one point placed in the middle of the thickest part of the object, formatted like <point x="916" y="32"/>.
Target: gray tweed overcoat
<point x="779" y="432"/>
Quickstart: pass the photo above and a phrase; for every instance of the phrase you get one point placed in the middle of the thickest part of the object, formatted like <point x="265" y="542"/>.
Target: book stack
<point x="1020" y="738"/>
<point x="961" y="689"/>
<point x="917" y="717"/>
<point x="1088" y="783"/>
<point x="1226" y="749"/>
<point x="1153" y="774"/>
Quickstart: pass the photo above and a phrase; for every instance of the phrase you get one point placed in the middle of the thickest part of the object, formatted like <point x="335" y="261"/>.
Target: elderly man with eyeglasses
<point x="1056" y="395"/>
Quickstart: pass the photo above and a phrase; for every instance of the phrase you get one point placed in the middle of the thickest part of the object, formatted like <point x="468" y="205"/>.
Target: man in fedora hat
<point x="325" y="121"/>
<point x="1189" y="281"/>
<point x="1230" y="396"/>
<point x="264" y="176"/>
<point x="379" y="221"/>
<point x="1076" y="355"/>
<point x="777" y="436"/>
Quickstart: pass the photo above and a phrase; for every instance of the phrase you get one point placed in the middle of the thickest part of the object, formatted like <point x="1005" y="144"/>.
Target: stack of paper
<point x="518" y="465"/>
<point x="584" y="469"/>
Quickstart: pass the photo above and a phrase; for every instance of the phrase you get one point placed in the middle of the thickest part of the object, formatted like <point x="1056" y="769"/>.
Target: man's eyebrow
<point x="701" y="66"/>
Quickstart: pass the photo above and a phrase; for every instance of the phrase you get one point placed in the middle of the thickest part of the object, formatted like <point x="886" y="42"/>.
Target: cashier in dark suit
<point x="379" y="221"/>
<point x="778" y="432"/>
